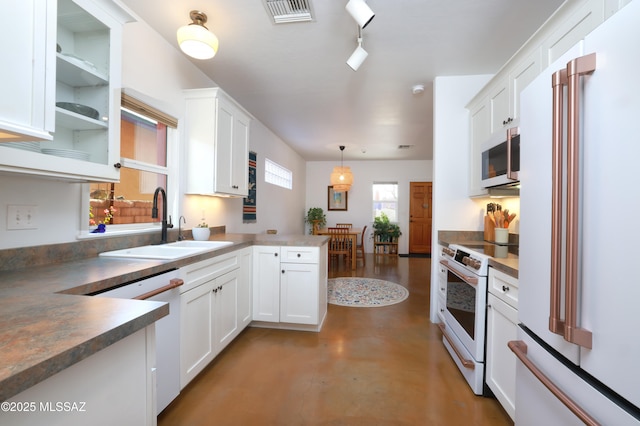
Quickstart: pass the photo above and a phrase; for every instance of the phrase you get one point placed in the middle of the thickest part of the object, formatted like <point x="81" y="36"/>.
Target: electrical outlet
<point x="22" y="217"/>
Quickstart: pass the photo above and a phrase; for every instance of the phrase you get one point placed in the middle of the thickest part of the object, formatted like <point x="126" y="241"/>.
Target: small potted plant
<point x="201" y="232"/>
<point x="385" y="231"/>
<point x="316" y="218"/>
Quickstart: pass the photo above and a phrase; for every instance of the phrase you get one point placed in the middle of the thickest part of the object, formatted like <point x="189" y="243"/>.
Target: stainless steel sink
<point x="169" y="251"/>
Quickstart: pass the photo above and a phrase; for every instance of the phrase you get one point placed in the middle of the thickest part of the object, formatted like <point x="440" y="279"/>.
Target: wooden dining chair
<point x="344" y="225"/>
<point x="360" y="247"/>
<point x="339" y="242"/>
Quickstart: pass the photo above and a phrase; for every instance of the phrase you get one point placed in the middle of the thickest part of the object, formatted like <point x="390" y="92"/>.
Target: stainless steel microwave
<point x="501" y="160"/>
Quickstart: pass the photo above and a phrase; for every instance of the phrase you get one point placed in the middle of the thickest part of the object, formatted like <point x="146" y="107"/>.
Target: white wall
<point x="452" y="207"/>
<point x="277" y="208"/>
<point x="360" y="203"/>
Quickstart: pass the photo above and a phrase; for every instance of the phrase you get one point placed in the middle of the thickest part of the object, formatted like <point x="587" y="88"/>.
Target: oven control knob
<point x="448" y="251"/>
<point x="474" y="263"/>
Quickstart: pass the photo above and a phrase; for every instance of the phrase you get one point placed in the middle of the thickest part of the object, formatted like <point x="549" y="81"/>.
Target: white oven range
<point x="463" y="330"/>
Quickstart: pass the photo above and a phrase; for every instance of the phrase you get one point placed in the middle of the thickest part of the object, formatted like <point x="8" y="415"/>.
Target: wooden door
<point x="420" y="218"/>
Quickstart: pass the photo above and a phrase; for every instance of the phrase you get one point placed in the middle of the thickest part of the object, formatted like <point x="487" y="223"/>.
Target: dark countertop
<point x="508" y="264"/>
<point x="48" y="324"/>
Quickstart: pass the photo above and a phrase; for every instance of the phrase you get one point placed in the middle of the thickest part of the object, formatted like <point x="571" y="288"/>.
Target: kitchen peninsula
<point x="48" y="323"/>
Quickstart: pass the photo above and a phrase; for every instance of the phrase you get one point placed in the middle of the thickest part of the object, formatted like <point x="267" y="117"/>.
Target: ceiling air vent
<point x="284" y="11"/>
<point x="404" y="146"/>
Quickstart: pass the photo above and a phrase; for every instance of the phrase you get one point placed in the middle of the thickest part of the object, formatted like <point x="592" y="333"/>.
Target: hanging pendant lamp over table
<point x="341" y="178"/>
<point x="195" y="39"/>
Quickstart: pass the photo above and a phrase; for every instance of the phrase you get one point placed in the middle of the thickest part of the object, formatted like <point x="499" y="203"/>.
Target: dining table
<point x="352" y="233"/>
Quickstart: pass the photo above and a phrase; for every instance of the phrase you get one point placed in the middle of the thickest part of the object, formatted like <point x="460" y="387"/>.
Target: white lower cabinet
<point x="214" y="311"/>
<point x="290" y="286"/>
<point x="299" y="293"/>
<point x="502" y="319"/>
<point x="114" y="386"/>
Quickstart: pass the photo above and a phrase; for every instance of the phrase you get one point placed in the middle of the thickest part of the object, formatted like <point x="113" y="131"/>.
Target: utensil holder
<point x="502" y="235"/>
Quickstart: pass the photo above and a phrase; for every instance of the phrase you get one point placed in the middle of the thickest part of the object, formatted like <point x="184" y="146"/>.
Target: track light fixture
<point x="359" y="55"/>
<point x="195" y="39"/>
<point x="360" y="11"/>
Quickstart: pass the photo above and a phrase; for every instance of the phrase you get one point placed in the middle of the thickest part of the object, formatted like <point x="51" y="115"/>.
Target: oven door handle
<point x="469" y="279"/>
<point x="174" y="283"/>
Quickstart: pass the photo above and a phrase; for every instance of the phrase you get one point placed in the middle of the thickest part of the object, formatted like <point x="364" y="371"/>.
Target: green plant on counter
<point x="316" y="218"/>
<point x="384" y="230"/>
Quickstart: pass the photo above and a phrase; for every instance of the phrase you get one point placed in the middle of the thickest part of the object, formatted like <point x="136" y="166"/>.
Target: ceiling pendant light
<point x="360" y="11"/>
<point x="195" y="39"/>
<point x="341" y="178"/>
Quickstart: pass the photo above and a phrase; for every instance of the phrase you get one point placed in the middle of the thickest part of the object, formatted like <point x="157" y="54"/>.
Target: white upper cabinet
<point x="28" y="28"/>
<point x="497" y="106"/>
<point x="217" y="138"/>
<point x="86" y="47"/>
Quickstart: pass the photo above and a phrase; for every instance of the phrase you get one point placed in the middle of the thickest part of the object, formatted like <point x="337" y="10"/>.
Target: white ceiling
<point x="294" y="78"/>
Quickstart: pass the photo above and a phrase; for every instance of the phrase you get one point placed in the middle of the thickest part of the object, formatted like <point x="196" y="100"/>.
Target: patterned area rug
<point x="365" y="292"/>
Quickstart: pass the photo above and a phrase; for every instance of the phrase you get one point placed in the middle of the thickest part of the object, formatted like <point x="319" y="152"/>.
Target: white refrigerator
<point x="578" y="268"/>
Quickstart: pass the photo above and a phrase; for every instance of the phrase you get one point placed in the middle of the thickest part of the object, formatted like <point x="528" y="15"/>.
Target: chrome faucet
<point x="181" y="220"/>
<point x="154" y="213"/>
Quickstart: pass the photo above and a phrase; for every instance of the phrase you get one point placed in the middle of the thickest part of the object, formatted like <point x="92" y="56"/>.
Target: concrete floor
<point x="368" y="366"/>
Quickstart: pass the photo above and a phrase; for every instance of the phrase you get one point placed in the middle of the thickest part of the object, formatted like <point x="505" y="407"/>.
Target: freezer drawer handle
<point x="519" y="348"/>
<point x="465" y="362"/>
<point x="176" y="282"/>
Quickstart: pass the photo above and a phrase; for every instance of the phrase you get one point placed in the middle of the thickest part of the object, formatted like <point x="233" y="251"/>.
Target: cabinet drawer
<point x="299" y="254"/>
<point x="200" y="272"/>
<point x="504" y="287"/>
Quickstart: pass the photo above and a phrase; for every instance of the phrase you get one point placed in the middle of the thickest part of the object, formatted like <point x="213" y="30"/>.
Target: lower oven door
<point x="466" y="309"/>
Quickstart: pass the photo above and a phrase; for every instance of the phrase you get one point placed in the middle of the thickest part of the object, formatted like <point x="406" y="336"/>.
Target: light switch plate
<point x="22" y="216"/>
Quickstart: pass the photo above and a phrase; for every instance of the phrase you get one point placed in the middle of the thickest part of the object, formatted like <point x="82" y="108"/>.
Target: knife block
<point x="489" y="229"/>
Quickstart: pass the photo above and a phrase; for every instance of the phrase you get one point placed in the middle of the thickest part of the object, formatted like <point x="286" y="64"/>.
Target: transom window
<point x="275" y="174"/>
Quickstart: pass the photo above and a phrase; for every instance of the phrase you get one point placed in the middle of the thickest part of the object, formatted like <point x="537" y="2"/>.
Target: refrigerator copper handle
<point x="519" y="348"/>
<point x="575" y="69"/>
<point x="511" y="132"/>
<point x="556" y="324"/>
<point x="467" y="363"/>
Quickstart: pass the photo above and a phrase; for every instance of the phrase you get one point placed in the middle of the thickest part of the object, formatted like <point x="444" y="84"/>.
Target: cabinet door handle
<point x="117" y="165"/>
<point x="283" y="271"/>
<point x="275" y="254"/>
<point x="299" y="255"/>
<point x="505" y="288"/>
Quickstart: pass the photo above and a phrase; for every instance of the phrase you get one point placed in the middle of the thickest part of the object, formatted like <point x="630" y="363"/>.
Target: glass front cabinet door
<point x="88" y="62"/>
